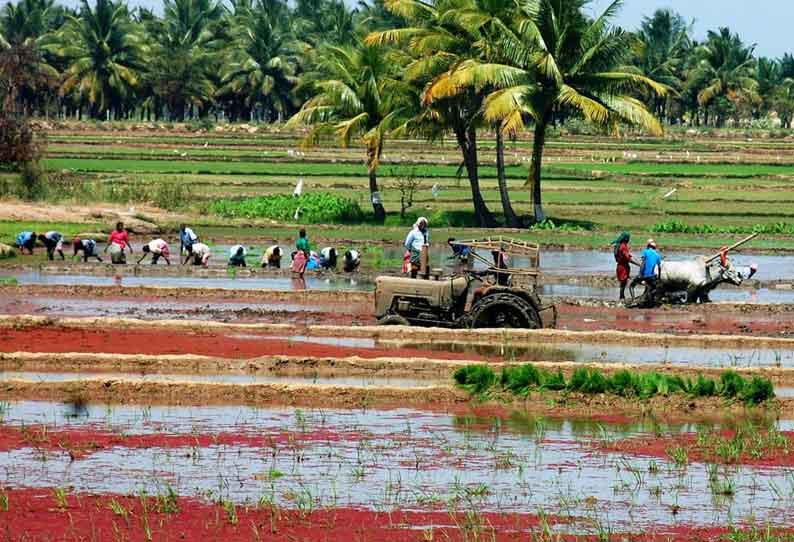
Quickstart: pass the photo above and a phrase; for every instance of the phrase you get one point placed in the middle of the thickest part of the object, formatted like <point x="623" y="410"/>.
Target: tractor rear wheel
<point x="504" y="311"/>
<point x="393" y="320"/>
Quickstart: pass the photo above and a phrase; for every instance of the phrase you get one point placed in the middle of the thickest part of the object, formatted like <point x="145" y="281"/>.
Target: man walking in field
<point x="650" y="269"/>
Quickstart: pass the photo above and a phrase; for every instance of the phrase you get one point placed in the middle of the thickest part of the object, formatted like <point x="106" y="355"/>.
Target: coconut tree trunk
<point x="374" y="194"/>
<point x="511" y="220"/>
<point x="467" y="141"/>
<point x="538" y="145"/>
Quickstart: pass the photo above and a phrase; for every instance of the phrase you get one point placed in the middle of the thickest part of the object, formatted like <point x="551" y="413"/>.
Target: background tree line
<point x="442" y="68"/>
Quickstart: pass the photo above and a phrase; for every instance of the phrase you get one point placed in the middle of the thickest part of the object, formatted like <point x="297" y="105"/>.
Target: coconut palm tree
<point x="22" y="28"/>
<point x="184" y="55"/>
<point x="661" y="53"/>
<point x="357" y="94"/>
<point x="557" y="59"/>
<point x="105" y="54"/>
<point x="438" y="42"/>
<point x="261" y="60"/>
<point x="724" y="73"/>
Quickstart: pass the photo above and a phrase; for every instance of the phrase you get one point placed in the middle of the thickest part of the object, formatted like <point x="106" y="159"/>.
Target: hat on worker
<point x="651" y="243"/>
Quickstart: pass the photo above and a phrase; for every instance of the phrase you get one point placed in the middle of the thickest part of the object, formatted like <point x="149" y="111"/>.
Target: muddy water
<point x="725" y="294"/>
<point x="353" y="381"/>
<point x="225" y="283"/>
<point x="389" y="459"/>
<point x="614" y="353"/>
<point x="147" y="309"/>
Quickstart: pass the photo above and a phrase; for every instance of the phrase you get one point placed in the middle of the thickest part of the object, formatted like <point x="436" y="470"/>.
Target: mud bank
<point x="414" y="369"/>
<point x="513" y="337"/>
<point x="674" y="408"/>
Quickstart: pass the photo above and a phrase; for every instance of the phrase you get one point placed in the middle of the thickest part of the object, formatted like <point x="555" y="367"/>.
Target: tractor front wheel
<point x="393" y="320"/>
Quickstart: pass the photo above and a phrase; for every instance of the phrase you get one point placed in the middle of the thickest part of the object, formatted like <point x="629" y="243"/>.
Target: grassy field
<point x="593" y="187"/>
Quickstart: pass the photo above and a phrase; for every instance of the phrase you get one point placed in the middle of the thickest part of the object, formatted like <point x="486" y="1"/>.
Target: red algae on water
<point x="756" y="448"/>
<point x="48" y="514"/>
<point x="85" y="440"/>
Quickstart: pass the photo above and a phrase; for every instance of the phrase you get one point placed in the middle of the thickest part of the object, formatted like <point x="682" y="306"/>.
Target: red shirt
<point x="623" y="258"/>
<point x="121" y="238"/>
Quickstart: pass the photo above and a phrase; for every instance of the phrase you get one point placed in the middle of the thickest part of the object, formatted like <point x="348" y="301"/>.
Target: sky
<point x="766" y="23"/>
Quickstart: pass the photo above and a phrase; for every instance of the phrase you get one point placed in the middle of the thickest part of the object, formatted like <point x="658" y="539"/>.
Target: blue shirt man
<point x="651" y="261"/>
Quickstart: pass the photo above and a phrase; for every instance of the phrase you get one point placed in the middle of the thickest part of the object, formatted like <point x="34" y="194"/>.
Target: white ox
<point x="697" y="278"/>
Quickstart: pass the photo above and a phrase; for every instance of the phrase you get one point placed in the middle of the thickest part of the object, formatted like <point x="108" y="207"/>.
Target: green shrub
<point x="757" y="391"/>
<point x="475" y="378"/>
<point x="677" y="226"/>
<point x="596" y="383"/>
<point x="314" y="208"/>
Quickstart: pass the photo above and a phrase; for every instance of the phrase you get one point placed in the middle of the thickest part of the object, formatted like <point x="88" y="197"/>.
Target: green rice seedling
<point x="723" y="487"/>
<point x="61" y="498"/>
<point x="554" y="381"/>
<point x="520" y="379"/>
<point x="118" y="509"/>
<point x="167" y="502"/>
<point x="596" y="383"/>
<point x="231" y="512"/>
<point x="4" y="501"/>
<point x="757" y="391"/>
<point x="731" y="384"/>
<point x="679" y="456"/>
<point x="704" y="387"/>
<point x="624" y="383"/>
<point x="579" y="379"/>
<point x="475" y="378"/>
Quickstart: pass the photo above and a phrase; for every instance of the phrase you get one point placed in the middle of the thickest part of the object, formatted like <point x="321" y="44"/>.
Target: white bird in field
<point x="435" y="190"/>
<point x="298" y="188"/>
<point x="183" y="154"/>
<point x="206" y="144"/>
<point x="297" y="214"/>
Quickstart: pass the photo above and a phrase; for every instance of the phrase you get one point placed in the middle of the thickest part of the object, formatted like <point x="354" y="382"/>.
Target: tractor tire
<point x="393" y="320"/>
<point x="504" y="311"/>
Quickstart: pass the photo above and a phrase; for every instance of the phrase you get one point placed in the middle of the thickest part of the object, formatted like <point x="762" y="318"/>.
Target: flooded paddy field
<point x="497" y="471"/>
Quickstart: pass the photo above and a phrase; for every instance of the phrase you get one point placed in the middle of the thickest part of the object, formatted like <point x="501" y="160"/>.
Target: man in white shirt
<point x="157" y="248"/>
<point x="201" y="254"/>
<point x="417" y="238"/>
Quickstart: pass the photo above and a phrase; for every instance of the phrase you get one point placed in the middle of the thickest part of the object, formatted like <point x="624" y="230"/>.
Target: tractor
<point x="483" y="293"/>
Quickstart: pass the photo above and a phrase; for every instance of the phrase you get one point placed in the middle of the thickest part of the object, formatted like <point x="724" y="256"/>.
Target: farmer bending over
<point x="187" y="238"/>
<point x="351" y="261"/>
<point x="237" y="256"/>
<point x="272" y="257"/>
<point x="118" y="243"/>
<point x="328" y="258"/>
<point x="53" y="240"/>
<point x="156" y="248"/>
<point x="417" y="238"/>
<point x="26" y="240"/>
<point x="87" y="246"/>
<point x="201" y="254"/>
